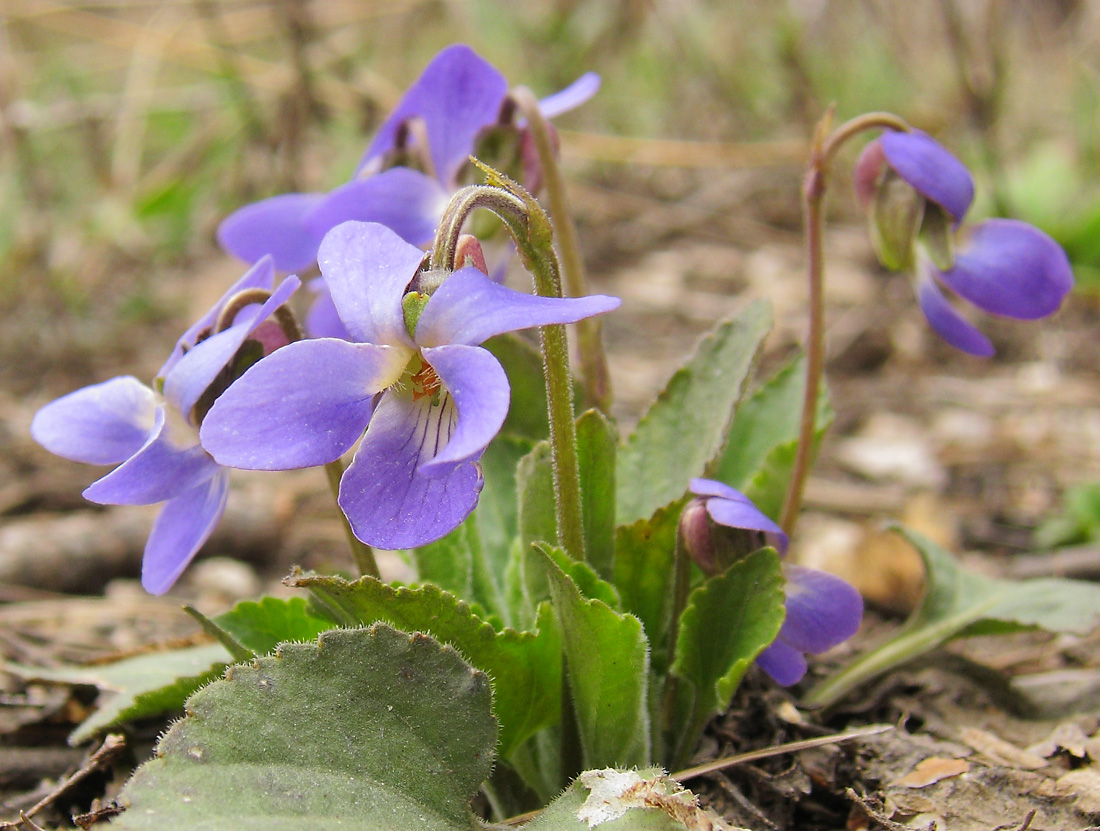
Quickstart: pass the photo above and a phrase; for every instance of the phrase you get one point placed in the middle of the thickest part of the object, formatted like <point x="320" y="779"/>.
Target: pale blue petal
<point x="822" y="610"/>
<point x="367" y="268"/>
<point x="571" y="97"/>
<point x="196" y="370"/>
<point x="469" y="308"/>
<point x="99" y="425"/>
<point x="303" y="405"/>
<point x="951" y="326"/>
<point x="183" y="525"/>
<point x="785" y="664"/>
<point x="160" y="470"/>
<point x="273" y="226"/>
<point x="931" y="170"/>
<point x="479" y="386"/>
<point x="1011" y="268"/>
<point x="389" y="502"/>
<point x="406" y="201"/>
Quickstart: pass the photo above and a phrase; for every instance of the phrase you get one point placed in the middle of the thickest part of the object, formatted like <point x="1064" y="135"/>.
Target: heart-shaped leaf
<point x="366" y="730"/>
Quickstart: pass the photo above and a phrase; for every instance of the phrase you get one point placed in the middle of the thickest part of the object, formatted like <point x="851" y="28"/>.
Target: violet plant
<point x="601" y="600"/>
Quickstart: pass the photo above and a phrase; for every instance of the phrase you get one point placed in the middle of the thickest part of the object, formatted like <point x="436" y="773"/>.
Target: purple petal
<point x="388" y="501"/>
<point x="404" y="200"/>
<point x="367" y="268"/>
<point x="160" y="470"/>
<point x="457" y="95"/>
<point x="196" y="371"/>
<point x="785" y="664"/>
<point x="184" y="524"/>
<point x="822" y="610"/>
<point x="273" y="226"/>
<point x="99" y="425"/>
<point x="470" y="308"/>
<point x="322" y="321"/>
<point x="951" y="326"/>
<point x="260" y="276"/>
<point x="932" y="171"/>
<point x="476" y="381"/>
<point x="728" y="506"/>
<point x="571" y="97"/>
<point x="1013" y="269"/>
<point x="301" y="406"/>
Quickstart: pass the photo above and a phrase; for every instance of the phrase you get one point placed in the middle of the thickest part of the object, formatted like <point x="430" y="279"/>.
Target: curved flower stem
<point x="826" y="144"/>
<point x="363" y="553"/>
<point x="594" y="372"/>
<point x="533" y="234"/>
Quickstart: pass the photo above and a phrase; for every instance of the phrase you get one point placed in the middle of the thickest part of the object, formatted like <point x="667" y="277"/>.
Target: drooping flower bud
<point x="712" y="546"/>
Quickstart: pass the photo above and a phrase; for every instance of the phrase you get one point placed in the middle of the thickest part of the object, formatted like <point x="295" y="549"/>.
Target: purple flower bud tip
<point x="821" y="609"/>
<point x="454" y="101"/>
<point x="426" y="402"/>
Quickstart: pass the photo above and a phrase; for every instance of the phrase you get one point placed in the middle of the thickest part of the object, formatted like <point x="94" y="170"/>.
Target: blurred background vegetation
<point x="129" y="128"/>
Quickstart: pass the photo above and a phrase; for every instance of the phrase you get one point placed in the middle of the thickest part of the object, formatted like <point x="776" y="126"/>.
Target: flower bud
<point x="712" y="546"/>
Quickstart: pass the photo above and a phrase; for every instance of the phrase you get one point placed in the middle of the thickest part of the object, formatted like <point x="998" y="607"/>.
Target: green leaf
<point x="728" y="621"/>
<point x="686" y="427"/>
<point x="643" y="576"/>
<point x="959" y="603"/>
<point x="262" y="625"/>
<point x="608" y="661"/>
<point x="368" y="729"/>
<point x="522" y="361"/>
<point x="624" y="800"/>
<point x="597" y="443"/>
<point x="759" y="457"/>
<point x="537" y="512"/>
<point x="140" y="687"/>
<point x="525" y="666"/>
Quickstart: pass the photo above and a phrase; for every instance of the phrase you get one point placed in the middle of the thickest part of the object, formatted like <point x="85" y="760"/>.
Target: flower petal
<point x="822" y="610"/>
<point x="160" y="470"/>
<point x="470" y="308"/>
<point x="322" y="320"/>
<point x="458" y="93"/>
<point x="182" y="526"/>
<point x="367" y="268"/>
<point x="932" y="171"/>
<point x="571" y="97"/>
<point x="388" y="501"/>
<point x="99" y="425"/>
<point x="272" y="226"/>
<point x="733" y="509"/>
<point x="260" y="276"/>
<point x="195" y="371"/>
<point x="1011" y="268"/>
<point x="404" y="200"/>
<point x="785" y="664"/>
<point x="948" y="323"/>
<point x="301" y="406"/>
<point x="479" y="386"/>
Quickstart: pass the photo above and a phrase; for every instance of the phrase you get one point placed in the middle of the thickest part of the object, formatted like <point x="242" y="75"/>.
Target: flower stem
<point x="594" y="372"/>
<point x="825" y="146"/>
<point x="533" y="234"/>
<point x="363" y="553"/>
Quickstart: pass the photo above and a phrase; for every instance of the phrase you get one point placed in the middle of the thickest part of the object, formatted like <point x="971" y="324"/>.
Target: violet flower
<point x="414" y="476"/>
<point x="822" y="609"/>
<point x="1005" y="267"/>
<point x="408" y="173"/>
<point x="152" y="437"/>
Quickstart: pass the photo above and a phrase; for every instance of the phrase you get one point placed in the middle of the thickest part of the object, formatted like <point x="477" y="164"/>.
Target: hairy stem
<point x="825" y="146"/>
<point x="595" y="376"/>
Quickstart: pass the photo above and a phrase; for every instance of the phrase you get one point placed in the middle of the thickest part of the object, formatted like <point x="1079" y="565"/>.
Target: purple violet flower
<point x="822" y="609"/>
<point x="413" y="377"/>
<point x="435" y="127"/>
<point x="152" y="437"/>
<point x="1006" y="267"/>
